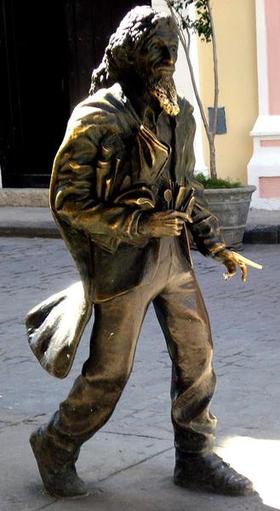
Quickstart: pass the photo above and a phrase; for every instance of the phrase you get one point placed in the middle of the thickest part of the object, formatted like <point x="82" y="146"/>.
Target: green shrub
<point x="210" y="182"/>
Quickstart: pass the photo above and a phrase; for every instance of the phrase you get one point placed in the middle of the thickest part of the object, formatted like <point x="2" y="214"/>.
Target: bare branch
<point x="186" y="47"/>
<point x="204" y="27"/>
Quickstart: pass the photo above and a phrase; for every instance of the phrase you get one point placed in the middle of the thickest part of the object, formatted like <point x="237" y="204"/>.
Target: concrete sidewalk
<point x="128" y="465"/>
<point x="262" y="227"/>
<point x="27" y="222"/>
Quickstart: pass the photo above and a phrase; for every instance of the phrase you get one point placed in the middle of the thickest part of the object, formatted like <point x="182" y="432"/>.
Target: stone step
<point x="24" y="197"/>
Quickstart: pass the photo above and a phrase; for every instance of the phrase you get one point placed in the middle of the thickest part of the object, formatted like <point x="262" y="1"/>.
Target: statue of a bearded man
<point x="123" y="195"/>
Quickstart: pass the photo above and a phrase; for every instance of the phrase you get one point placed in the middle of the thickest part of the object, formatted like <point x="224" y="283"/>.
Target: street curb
<point x="29" y="232"/>
<point x="20" y="220"/>
<point x="24" y="197"/>
<point x="263" y="234"/>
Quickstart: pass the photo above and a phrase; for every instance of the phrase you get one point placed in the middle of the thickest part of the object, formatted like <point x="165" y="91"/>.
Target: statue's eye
<point x="155" y="46"/>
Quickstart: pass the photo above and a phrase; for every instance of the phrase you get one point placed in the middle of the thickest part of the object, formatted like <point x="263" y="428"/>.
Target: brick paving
<point x="129" y="463"/>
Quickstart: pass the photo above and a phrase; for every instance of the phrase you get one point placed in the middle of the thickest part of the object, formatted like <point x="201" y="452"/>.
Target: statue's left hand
<point x="233" y="260"/>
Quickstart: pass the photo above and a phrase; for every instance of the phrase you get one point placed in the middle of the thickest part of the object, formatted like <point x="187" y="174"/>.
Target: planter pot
<point x="231" y="206"/>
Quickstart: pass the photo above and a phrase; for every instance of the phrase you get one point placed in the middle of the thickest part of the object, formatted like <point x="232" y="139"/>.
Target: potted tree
<point x="228" y="200"/>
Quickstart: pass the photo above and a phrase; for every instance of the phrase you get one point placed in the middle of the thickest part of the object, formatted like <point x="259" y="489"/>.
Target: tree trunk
<point x="212" y="155"/>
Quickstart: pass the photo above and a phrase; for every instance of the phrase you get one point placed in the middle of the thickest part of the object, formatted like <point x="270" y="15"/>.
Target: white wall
<point x="184" y="88"/>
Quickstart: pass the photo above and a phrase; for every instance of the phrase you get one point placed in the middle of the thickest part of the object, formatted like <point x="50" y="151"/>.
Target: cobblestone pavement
<point x="129" y="463"/>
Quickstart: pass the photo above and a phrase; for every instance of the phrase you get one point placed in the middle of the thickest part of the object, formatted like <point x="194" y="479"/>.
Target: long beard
<point x="165" y="92"/>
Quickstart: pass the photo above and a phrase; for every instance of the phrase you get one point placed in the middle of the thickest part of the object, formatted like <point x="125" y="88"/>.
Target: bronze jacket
<point x="103" y="180"/>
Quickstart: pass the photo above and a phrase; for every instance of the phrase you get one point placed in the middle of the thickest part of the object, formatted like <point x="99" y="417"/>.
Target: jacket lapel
<point x="178" y="147"/>
<point x="152" y="155"/>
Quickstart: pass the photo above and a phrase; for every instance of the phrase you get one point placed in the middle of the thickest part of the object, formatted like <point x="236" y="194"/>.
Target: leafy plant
<point x="196" y="16"/>
<point x="212" y="182"/>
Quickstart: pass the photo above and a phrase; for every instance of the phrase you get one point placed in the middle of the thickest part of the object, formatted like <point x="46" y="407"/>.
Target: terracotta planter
<point x="231" y="206"/>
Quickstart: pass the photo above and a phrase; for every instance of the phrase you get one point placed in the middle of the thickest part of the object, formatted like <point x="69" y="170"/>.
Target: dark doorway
<point x="89" y="26"/>
<point x="35" y="98"/>
<point x="47" y="51"/>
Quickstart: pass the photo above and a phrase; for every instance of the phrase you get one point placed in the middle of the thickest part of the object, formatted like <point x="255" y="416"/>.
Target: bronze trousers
<point x="183" y="318"/>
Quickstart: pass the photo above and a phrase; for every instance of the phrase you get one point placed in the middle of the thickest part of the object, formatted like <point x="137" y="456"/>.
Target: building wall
<point x="264" y="166"/>
<point x="185" y="89"/>
<point x="235" y="24"/>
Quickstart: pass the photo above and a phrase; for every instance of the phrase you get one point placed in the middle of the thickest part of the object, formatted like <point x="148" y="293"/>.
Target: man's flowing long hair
<point x="119" y="54"/>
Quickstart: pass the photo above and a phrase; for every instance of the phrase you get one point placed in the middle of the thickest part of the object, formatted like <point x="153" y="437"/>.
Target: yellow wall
<point x="237" y="58"/>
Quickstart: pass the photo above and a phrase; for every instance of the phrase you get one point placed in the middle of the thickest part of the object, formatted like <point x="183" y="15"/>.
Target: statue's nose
<point x="169" y="56"/>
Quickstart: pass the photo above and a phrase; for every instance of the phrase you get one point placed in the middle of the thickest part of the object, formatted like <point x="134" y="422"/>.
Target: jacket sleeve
<point x="205" y="229"/>
<point x="84" y="170"/>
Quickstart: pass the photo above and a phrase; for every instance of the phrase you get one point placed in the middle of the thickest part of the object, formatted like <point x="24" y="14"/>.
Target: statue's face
<point x="158" y="54"/>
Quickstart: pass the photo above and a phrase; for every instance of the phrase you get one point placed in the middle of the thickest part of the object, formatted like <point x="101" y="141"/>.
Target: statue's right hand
<point x="163" y="223"/>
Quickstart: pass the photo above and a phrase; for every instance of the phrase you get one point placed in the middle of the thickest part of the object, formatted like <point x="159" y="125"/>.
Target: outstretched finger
<point x="242" y="259"/>
<point x="230" y="266"/>
<point x="228" y="275"/>
<point x="244" y="272"/>
<point x="231" y="270"/>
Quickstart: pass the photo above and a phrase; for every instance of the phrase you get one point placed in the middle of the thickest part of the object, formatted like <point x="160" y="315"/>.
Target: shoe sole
<point x="201" y="486"/>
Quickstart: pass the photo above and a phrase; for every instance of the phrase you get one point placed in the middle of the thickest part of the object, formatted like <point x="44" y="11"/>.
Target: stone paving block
<point x="245" y="324"/>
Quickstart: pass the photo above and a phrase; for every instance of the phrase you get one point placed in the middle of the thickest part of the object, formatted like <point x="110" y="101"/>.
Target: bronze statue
<point x="123" y="195"/>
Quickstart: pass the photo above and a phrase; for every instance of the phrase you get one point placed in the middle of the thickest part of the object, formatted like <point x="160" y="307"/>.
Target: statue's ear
<point x="126" y="58"/>
<point x="118" y="60"/>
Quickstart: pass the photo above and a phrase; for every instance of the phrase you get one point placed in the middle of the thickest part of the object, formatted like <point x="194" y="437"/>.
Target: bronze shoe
<point x="210" y="472"/>
<point x="59" y="477"/>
